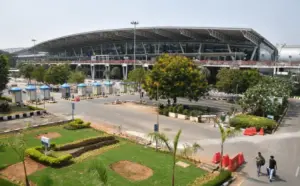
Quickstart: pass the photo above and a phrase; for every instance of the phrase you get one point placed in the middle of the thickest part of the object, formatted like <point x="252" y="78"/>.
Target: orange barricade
<point x="262" y="132"/>
<point x="241" y="159"/>
<point x="233" y="163"/>
<point x="216" y="157"/>
<point x="225" y="160"/>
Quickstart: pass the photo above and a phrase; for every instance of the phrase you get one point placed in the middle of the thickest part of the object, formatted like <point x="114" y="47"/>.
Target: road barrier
<point x="216" y="157"/>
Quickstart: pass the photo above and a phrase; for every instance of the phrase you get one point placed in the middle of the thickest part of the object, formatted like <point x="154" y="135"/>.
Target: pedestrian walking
<point x="271" y="170"/>
<point x="260" y="161"/>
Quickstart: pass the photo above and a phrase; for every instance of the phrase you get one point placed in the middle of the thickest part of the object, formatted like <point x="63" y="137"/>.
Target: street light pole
<point x="134" y="23"/>
<point x="34" y="40"/>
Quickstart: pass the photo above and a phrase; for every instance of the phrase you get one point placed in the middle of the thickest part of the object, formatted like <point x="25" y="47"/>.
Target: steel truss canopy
<point x="156" y="34"/>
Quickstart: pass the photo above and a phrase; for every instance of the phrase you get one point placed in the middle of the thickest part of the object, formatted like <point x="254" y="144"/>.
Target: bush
<point x="81" y="143"/>
<point x="172" y="109"/>
<point x="244" y="121"/>
<point x="186" y="112"/>
<point x="179" y="109"/>
<point x="77" y="124"/>
<point x="4" y="107"/>
<point x="34" y="108"/>
<point x="166" y="111"/>
<point x="4" y="98"/>
<point x="36" y="154"/>
<point x="220" y="179"/>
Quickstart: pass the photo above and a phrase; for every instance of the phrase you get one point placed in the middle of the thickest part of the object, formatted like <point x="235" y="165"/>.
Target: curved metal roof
<point x="210" y="34"/>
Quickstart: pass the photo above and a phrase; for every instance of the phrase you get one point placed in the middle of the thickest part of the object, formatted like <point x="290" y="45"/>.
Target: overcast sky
<point x="23" y="20"/>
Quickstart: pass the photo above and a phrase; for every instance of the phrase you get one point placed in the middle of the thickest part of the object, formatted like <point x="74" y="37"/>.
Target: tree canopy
<point x="116" y="73"/>
<point x="26" y="70"/>
<point x="57" y="74"/>
<point x="76" y="77"/>
<point x="39" y="73"/>
<point x="4" y="70"/>
<point x="137" y="75"/>
<point x="175" y="76"/>
<point x="235" y="80"/>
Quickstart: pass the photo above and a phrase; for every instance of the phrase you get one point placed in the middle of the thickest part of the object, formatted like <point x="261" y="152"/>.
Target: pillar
<point x="107" y="68"/>
<point x="93" y="71"/>
<point x="125" y="71"/>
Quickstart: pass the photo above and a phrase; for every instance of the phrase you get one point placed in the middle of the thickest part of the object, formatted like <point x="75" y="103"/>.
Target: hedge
<point x="93" y="147"/>
<point x="33" y="108"/>
<point x="77" y="124"/>
<point x="244" y="121"/>
<point x="81" y="143"/>
<point x="220" y="179"/>
<point x="36" y="154"/>
<point x="182" y="109"/>
<point x="4" y="98"/>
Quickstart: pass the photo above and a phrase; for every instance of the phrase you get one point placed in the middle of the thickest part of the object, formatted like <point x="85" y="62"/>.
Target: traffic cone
<point x="225" y="160"/>
<point x="241" y="158"/>
<point x="253" y="131"/>
<point x="262" y="132"/>
<point x="216" y="157"/>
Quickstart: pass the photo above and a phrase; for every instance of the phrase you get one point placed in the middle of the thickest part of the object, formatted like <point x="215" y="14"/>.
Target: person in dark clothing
<point x="272" y="168"/>
<point x="260" y="161"/>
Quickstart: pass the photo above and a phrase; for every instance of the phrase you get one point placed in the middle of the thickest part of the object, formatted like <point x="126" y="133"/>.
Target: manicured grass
<point x="160" y="163"/>
<point x="4" y="182"/>
<point x="8" y="157"/>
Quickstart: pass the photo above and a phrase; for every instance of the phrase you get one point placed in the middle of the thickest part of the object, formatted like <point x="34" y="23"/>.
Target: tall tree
<point x="4" y="70"/>
<point x="116" y="73"/>
<point x="76" y="77"/>
<point x="39" y="73"/>
<point x="176" y="76"/>
<point x="19" y="146"/>
<point x="57" y="74"/>
<point x="26" y="70"/>
<point x="235" y="80"/>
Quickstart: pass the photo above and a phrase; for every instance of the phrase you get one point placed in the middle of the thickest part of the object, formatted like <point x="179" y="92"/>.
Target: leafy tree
<point x="106" y="74"/>
<point x="18" y="145"/>
<point x="225" y="134"/>
<point x="137" y="76"/>
<point x="3" y="72"/>
<point x="116" y="73"/>
<point x="204" y="70"/>
<point x="26" y="71"/>
<point x="82" y="69"/>
<point x="176" y="76"/>
<point x="76" y="77"/>
<point x="235" y="80"/>
<point x="39" y="73"/>
<point x="57" y="74"/>
<point x="98" y="169"/>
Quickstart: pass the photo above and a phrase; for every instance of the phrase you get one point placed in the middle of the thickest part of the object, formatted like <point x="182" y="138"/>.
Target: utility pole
<point x="134" y="23"/>
<point x="34" y="40"/>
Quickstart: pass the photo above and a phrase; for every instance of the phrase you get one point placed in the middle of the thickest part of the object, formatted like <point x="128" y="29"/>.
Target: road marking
<point x="297" y="171"/>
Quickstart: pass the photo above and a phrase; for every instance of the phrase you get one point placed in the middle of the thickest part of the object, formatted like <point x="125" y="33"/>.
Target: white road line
<point x="297" y="171"/>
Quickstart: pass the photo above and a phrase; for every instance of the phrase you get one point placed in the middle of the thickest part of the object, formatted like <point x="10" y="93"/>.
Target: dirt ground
<point x="50" y="135"/>
<point x="15" y="172"/>
<point x="148" y="109"/>
<point x="132" y="171"/>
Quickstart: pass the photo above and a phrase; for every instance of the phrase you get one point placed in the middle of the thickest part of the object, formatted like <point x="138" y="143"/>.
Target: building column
<point x="107" y="68"/>
<point x="93" y="71"/>
<point x="125" y="71"/>
<point x="274" y="72"/>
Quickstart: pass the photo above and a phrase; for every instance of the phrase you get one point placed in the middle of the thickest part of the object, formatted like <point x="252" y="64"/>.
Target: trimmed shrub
<point x="165" y="111"/>
<point x="36" y="154"/>
<point x="34" y="108"/>
<point x="94" y="146"/>
<point x="77" y="124"/>
<point x="244" y="121"/>
<point x="4" y="98"/>
<point x="220" y="179"/>
<point x="186" y="112"/>
<point x="179" y="109"/>
<point x="4" y="107"/>
<point x="82" y="143"/>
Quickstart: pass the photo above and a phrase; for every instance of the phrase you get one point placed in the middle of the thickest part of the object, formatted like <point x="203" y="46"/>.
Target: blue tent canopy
<point x="44" y="87"/>
<point x="96" y="84"/>
<point x="16" y="89"/>
<point x="30" y="88"/>
<point x="65" y="85"/>
<point x="81" y="85"/>
<point x="108" y="83"/>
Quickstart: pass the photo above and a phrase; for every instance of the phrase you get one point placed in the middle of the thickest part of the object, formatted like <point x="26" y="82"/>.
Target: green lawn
<point x="160" y="163"/>
<point x="4" y="182"/>
<point x="8" y="157"/>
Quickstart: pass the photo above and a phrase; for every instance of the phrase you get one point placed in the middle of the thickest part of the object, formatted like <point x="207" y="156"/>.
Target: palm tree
<point x="190" y="149"/>
<point x="204" y="70"/>
<point x="98" y="169"/>
<point x="225" y="133"/>
<point x="162" y="138"/>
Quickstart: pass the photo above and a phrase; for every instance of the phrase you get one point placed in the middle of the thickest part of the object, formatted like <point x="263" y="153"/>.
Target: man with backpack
<point x="260" y="161"/>
<point x="271" y="170"/>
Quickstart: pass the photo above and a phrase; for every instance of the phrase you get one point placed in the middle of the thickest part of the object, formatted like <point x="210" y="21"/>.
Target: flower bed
<point x="245" y="121"/>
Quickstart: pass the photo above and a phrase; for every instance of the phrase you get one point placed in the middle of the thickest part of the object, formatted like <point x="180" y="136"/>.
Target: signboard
<point x="156" y="128"/>
<point x="270" y="117"/>
<point x="45" y="141"/>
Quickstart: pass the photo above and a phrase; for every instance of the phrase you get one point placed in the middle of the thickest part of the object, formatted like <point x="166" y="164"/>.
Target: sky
<point x="24" y="20"/>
